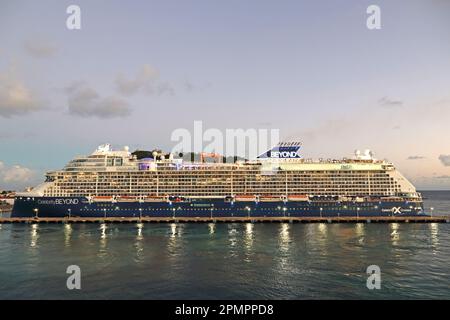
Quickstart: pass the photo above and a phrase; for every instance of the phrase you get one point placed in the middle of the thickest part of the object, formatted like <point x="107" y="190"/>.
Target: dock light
<point x="140" y="213"/>
<point x="36" y="211"/>
<point x="284" y="211"/>
<point x="69" y="211"/>
<point x="321" y="212"/>
<point x="173" y="210"/>
<point x="357" y="212"/>
<point x="211" y="212"/>
<point x="431" y="210"/>
<point x="104" y="212"/>
<point x="248" y="211"/>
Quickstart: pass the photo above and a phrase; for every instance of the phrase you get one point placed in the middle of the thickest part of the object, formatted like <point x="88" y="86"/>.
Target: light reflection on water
<point x="175" y="241"/>
<point x="34" y="235"/>
<point x="249" y="260"/>
<point x="138" y="244"/>
<point x="284" y="237"/>
<point x="248" y="242"/>
<point x="67" y="234"/>
<point x="103" y="236"/>
<point x="232" y="235"/>
<point x="434" y="236"/>
<point x="212" y="228"/>
<point x="395" y="235"/>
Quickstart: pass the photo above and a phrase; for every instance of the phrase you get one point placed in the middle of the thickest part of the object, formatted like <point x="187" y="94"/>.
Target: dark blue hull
<point x="81" y="207"/>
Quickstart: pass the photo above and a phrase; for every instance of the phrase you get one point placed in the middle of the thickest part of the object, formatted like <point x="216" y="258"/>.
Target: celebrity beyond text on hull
<point x="280" y="182"/>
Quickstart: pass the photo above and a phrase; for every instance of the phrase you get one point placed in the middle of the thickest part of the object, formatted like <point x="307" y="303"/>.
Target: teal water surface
<point x="227" y="261"/>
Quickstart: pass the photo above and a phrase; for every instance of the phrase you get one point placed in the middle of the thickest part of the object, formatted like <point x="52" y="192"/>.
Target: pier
<point x="375" y="219"/>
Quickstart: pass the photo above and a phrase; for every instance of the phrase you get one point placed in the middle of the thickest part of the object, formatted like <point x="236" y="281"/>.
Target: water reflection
<point x="316" y="237"/>
<point x="249" y="233"/>
<point x="173" y="230"/>
<point x="248" y="240"/>
<point x="138" y="244"/>
<point x="232" y="240"/>
<point x="395" y="235"/>
<point x="434" y="236"/>
<point x="34" y="235"/>
<point x="323" y="227"/>
<point x="67" y="234"/>
<point x="175" y="235"/>
<point x="284" y="256"/>
<point x="103" y="237"/>
<point x="284" y="237"/>
<point x="139" y="226"/>
<point x="212" y="228"/>
<point x="360" y="229"/>
<point x="232" y="235"/>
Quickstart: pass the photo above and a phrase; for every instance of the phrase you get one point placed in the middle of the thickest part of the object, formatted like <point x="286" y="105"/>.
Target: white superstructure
<point x="107" y="172"/>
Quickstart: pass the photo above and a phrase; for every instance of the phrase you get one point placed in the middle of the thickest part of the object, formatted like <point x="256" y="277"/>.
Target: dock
<point x="375" y="219"/>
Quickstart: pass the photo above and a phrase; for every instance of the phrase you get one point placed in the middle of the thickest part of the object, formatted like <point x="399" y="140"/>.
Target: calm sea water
<point x="228" y="261"/>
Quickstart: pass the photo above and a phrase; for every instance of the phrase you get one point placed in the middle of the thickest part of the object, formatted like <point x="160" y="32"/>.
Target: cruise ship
<point x="279" y="182"/>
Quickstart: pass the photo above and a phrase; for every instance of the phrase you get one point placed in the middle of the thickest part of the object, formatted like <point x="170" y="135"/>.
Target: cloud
<point x="415" y="158"/>
<point x="15" y="97"/>
<point x="39" y="48"/>
<point x="445" y="159"/>
<point x="145" y="78"/>
<point x="84" y="101"/>
<point x="147" y="81"/>
<point x="15" y="174"/>
<point x="189" y="86"/>
<point x="389" y="103"/>
<point x="165" y="88"/>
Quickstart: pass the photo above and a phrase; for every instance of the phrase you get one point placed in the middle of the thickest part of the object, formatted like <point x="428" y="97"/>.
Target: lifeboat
<point x="126" y="199"/>
<point x="269" y="198"/>
<point x="298" y="197"/>
<point x="344" y="199"/>
<point x="243" y="198"/>
<point x="392" y="199"/>
<point x="102" y="199"/>
<point x="154" y="199"/>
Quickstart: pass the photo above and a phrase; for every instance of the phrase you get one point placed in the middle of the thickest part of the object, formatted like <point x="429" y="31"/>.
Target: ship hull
<point x="82" y="207"/>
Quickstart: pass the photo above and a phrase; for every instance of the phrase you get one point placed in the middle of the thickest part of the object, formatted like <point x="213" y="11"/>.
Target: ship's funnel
<point x="283" y="150"/>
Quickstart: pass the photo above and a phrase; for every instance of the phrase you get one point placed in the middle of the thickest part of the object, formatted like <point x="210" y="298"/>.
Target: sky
<point x="138" y="70"/>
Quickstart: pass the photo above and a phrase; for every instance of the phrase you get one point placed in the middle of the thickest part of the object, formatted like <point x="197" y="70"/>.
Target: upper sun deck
<point x="105" y="159"/>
